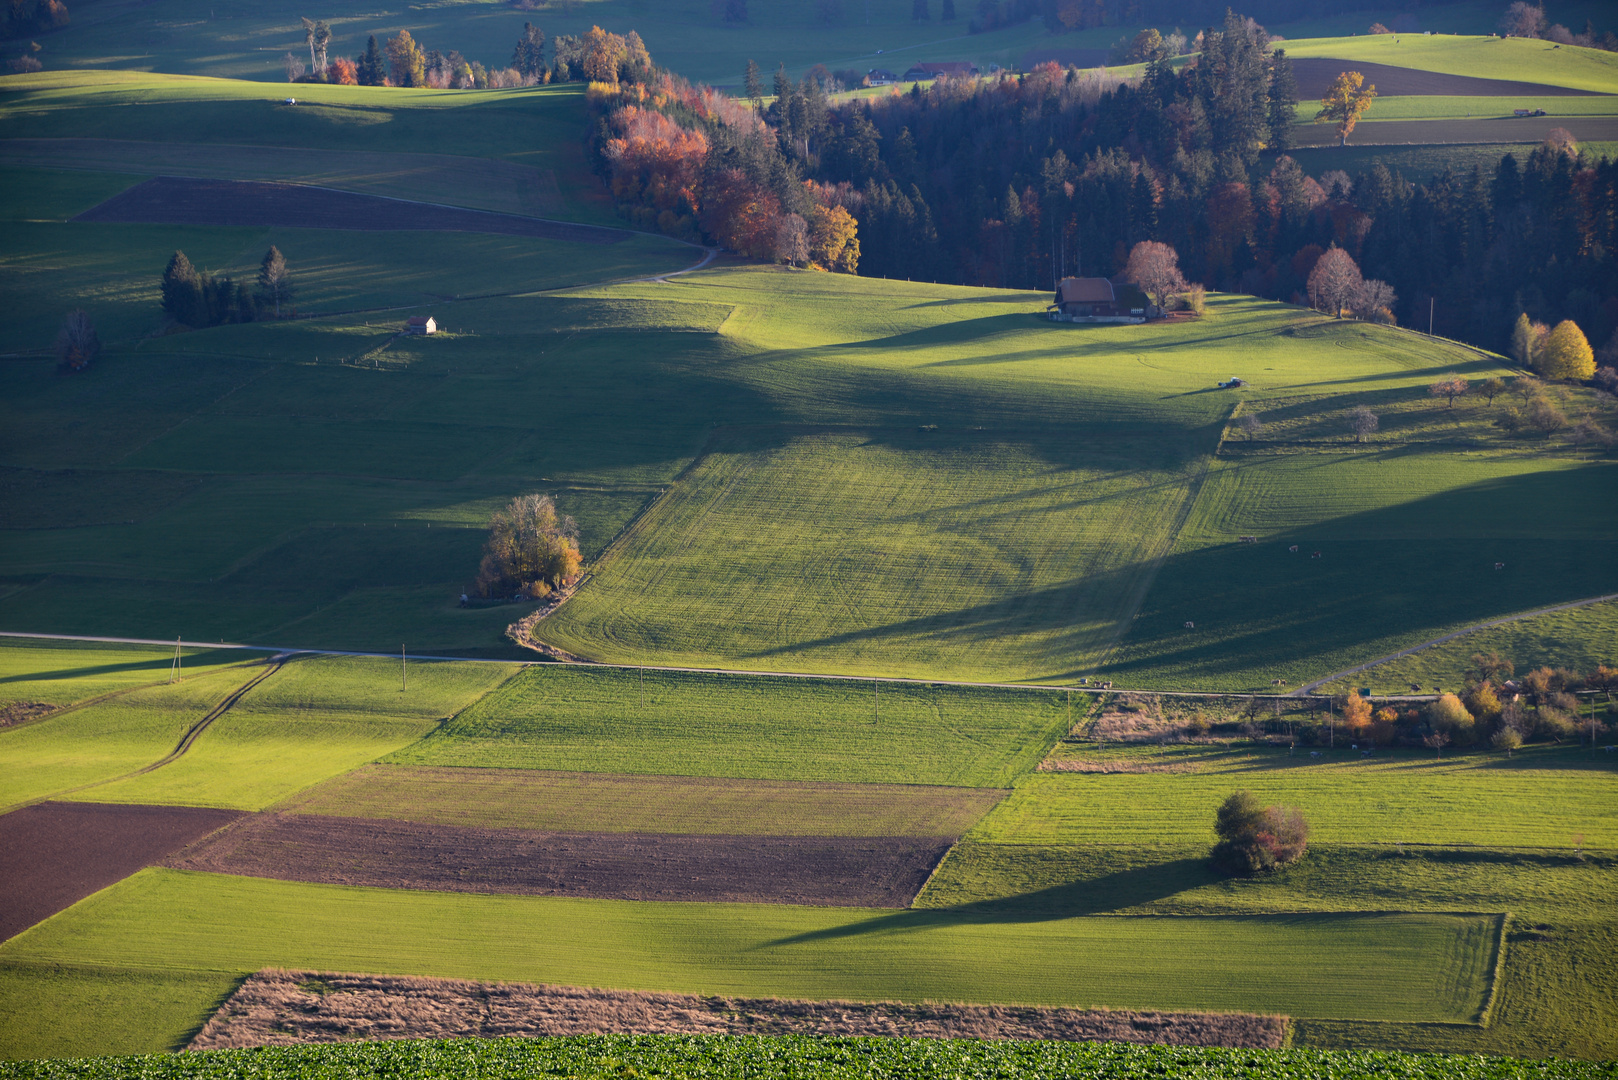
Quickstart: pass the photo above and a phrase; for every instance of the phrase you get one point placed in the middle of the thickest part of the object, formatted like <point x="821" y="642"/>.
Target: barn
<point x="941" y="69"/>
<point x="421" y="324"/>
<point x="1094" y="300"/>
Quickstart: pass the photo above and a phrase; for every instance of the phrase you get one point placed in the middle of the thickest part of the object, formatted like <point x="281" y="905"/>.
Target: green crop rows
<point x="608" y="1057"/>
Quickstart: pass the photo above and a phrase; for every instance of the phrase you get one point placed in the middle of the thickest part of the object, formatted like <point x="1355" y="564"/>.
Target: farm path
<point x="1309" y="688"/>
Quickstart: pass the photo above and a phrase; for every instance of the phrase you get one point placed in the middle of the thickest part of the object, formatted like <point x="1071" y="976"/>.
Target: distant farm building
<point x="943" y="69"/>
<point x="1091" y="300"/>
<point x="880" y="77"/>
<point x="421" y="324"/>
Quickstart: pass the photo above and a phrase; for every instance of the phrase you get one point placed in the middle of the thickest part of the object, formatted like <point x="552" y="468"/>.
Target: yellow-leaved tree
<point x="1566" y="353"/>
<point x="1345" y="100"/>
<point x="833" y="240"/>
<point x="531" y="550"/>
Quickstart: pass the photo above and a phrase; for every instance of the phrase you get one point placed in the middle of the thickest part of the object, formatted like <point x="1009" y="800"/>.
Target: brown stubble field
<point x="286" y="1008"/>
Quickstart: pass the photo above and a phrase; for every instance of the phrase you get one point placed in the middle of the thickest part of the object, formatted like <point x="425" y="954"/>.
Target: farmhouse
<point x="880" y="77"/>
<point x="942" y="69"/>
<point x="422" y="324"/>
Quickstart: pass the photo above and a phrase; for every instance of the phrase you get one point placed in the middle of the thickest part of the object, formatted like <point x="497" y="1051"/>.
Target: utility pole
<point x="643" y="688"/>
<point x="1432" y="302"/>
<point x="403" y="673"/>
<point x="876" y="701"/>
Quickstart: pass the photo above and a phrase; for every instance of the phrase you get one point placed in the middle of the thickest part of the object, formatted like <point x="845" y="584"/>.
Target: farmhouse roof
<point x="881" y="75"/>
<point x="420" y="320"/>
<point x="934" y="68"/>
<point x="1085" y="290"/>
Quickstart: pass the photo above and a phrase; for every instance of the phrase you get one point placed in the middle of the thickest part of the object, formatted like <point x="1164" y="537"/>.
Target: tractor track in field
<point x="192" y="734"/>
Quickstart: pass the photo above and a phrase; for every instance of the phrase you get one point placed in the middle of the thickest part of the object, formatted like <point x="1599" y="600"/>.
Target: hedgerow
<point x="691" y="1057"/>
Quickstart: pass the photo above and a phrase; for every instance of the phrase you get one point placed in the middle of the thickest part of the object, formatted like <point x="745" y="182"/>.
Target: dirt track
<point x="862" y="871"/>
<point x="286" y="1008"/>
<point x="174" y="200"/>
<point x="1316" y="73"/>
<point x="52" y="855"/>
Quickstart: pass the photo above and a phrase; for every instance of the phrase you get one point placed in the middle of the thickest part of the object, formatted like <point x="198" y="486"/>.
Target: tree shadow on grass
<point x="1112" y="892"/>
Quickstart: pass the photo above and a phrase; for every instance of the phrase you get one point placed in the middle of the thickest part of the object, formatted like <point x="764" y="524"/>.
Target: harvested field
<point x="285" y="1008"/>
<point x="607" y="802"/>
<point x="52" y="855"/>
<point x="1106" y="768"/>
<point x="174" y="200"/>
<point x="1506" y="129"/>
<point x="832" y="871"/>
<point x="1316" y="73"/>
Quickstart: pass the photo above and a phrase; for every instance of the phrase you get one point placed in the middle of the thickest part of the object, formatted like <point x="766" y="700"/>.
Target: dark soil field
<point x="1316" y="73"/>
<point x="1528" y="129"/>
<point x="52" y="855"/>
<point x="285" y="1008"/>
<point x="175" y="200"/>
<point x="866" y="871"/>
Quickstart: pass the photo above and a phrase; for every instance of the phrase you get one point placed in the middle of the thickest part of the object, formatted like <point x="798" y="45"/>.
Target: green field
<point x="1518" y="59"/>
<point x="603" y="802"/>
<point x="1435" y="968"/>
<point x="314" y="719"/>
<point x="1472" y="800"/>
<point x="593" y="720"/>
<point x="64" y="672"/>
<point x="1578" y="639"/>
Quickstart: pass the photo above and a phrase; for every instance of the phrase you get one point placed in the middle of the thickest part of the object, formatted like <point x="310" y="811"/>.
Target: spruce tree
<point x="274" y="281"/>
<point x="1283" y="101"/>
<point x="182" y="291"/>
<point x="753" y="83"/>
<point x="370" y="70"/>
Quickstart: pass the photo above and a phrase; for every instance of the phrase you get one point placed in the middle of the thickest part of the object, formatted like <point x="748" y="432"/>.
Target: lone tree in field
<point x="1566" y="353"/>
<point x="1363" y="421"/>
<point x="1345" y="100"/>
<point x="530" y="551"/>
<point x="1155" y="270"/>
<point x="274" y="280"/>
<point x="529" y="55"/>
<point x="1491" y="389"/>
<point x="1523" y="19"/>
<point x="1254" y="838"/>
<point x="77" y="344"/>
<point x="1335" y="281"/>
<point x="1449" y="387"/>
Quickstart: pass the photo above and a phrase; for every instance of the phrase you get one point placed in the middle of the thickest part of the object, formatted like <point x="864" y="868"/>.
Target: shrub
<point x="1482" y="702"/>
<point x="1555" y="724"/>
<point x="1506" y="739"/>
<point x="1254" y="838"/>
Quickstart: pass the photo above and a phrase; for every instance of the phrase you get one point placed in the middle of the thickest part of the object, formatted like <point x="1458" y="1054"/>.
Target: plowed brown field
<point x="176" y="200"/>
<point x="53" y="855"/>
<point x="865" y="871"/>
<point x="1316" y="73"/>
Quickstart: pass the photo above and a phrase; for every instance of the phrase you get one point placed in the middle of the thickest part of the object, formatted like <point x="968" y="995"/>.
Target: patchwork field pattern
<point x="603" y="802"/>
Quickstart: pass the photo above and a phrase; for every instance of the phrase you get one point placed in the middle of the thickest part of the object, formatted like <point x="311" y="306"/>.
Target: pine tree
<point x="1283" y="101"/>
<point x="182" y="291"/>
<point x="753" y="84"/>
<point x="371" y="69"/>
<point x="529" y="56"/>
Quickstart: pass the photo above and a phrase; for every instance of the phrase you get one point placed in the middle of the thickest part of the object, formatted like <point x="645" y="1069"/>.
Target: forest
<point x="1019" y="180"/>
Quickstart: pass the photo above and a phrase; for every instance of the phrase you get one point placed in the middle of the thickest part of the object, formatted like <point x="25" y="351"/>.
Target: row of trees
<point x="1492" y="710"/>
<point x="197" y="300"/>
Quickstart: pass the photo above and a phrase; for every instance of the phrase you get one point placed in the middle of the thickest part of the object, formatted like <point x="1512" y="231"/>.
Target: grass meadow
<point x="1538" y="799"/>
<point x="1428" y="967"/>
<point x="609" y="802"/>
<point x="593" y="720"/>
<point x="315" y="718"/>
<point x="1579" y="639"/>
<point x="1519" y="59"/>
<point x="64" y="673"/>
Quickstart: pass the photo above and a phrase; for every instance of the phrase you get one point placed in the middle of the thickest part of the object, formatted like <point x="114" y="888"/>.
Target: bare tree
<point x="792" y="240"/>
<point x="1373" y="300"/>
<point x="274" y="280"/>
<point x="1436" y="741"/>
<point x="1334" y="281"/>
<point x="1155" y="270"/>
<point x="1523" y="19"/>
<point x="294" y="67"/>
<point x="1450" y="386"/>
<point x="77" y="344"/>
<point x="1363" y="421"/>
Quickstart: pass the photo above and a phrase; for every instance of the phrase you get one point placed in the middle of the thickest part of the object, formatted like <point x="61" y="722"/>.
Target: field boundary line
<point x="1309" y="688"/>
<point x="1486" y="1013"/>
